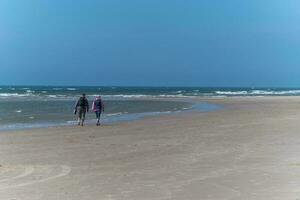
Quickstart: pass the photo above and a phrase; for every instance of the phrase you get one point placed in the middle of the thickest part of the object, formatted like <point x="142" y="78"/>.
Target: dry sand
<point x="248" y="150"/>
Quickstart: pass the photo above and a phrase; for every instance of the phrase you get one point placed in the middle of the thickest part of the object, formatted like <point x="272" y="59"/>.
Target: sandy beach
<point x="250" y="149"/>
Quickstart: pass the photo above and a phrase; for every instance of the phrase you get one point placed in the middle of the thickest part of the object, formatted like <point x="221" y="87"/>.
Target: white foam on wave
<point x="71" y="89"/>
<point x="178" y="92"/>
<point x="232" y="93"/>
<point x="174" y="96"/>
<point x="14" y="95"/>
<point x="270" y="92"/>
<point x="71" y="122"/>
<point x="18" y="111"/>
<point x="114" y="114"/>
<point x="136" y="96"/>
<point x="129" y="96"/>
<point x="57" y="96"/>
<point x="259" y="92"/>
<point x="123" y="96"/>
<point x="52" y="96"/>
<point x="8" y="94"/>
<point x="187" y="108"/>
<point x="133" y="95"/>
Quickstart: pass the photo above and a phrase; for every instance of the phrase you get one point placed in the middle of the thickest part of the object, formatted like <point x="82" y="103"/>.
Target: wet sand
<point x="248" y="150"/>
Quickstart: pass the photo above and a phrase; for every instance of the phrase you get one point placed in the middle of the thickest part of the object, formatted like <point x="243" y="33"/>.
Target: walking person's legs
<point x="83" y="117"/>
<point x="79" y="112"/>
<point x="98" y="115"/>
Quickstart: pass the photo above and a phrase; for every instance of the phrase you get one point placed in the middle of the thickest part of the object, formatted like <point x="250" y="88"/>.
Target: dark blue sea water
<point x="40" y="106"/>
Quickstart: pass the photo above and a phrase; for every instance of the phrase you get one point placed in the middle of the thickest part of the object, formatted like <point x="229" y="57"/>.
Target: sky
<point x="150" y="43"/>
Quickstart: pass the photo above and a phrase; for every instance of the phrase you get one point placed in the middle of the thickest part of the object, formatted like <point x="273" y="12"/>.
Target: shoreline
<point x="118" y="117"/>
<point x="217" y="103"/>
<point x="214" y="104"/>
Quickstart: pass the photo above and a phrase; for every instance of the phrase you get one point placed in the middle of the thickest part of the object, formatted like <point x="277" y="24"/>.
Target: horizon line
<point x="141" y="86"/>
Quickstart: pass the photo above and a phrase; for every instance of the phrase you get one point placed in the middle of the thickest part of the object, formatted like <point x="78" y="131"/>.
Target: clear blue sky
<point x="150" y="42"/>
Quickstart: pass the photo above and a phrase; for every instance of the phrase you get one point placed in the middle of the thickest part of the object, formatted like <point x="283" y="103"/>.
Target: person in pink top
<point x="98" y="108"/>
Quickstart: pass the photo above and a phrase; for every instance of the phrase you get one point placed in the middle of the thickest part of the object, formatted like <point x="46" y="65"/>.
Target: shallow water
<point x="16" y="114"/>
<point x="28" y="107"/>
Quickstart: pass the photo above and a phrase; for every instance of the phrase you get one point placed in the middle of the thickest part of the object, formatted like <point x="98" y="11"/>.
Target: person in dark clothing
<point x="98" y="108"/>
<point x="81" y="107"/>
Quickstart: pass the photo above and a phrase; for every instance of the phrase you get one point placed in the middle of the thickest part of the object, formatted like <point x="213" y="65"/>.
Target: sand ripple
<point x="19" y="176"/>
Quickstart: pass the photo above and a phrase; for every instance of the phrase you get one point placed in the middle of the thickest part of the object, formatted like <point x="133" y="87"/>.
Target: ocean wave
<point x="178" y="92"/>
<point x="115" y="114"/>
<point x="58" y="96"/>
<point x="52" y="96"/>
<point x="282" y="92"/>
<point x="259" y="92"/>
<point x="6" y="93"/>
<point x="137" y="96"/>
<point x="123" y="96"/>
<point x="174" y="96"/>
<point x="33" y="95"/>
<point x="14" y="95"/>
<point x="232" y="93"/>
<point x="71" y="89"/>
<point x="187" y="108"/>
<point x="71" y="122"/>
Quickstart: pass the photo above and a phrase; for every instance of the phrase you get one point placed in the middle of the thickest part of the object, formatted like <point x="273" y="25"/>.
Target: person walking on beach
<point x="98" y="108"/>
<point x="81" y="107"/>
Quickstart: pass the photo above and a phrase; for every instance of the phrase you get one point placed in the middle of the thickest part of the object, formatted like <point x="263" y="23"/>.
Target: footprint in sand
<point x="19" y="176"/>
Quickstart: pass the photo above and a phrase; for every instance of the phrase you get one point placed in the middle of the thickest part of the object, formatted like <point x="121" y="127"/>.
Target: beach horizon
<point x="149" y="100"/>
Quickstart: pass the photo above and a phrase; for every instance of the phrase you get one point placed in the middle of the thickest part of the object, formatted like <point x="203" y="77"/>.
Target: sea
<point x="24" y="107"/>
